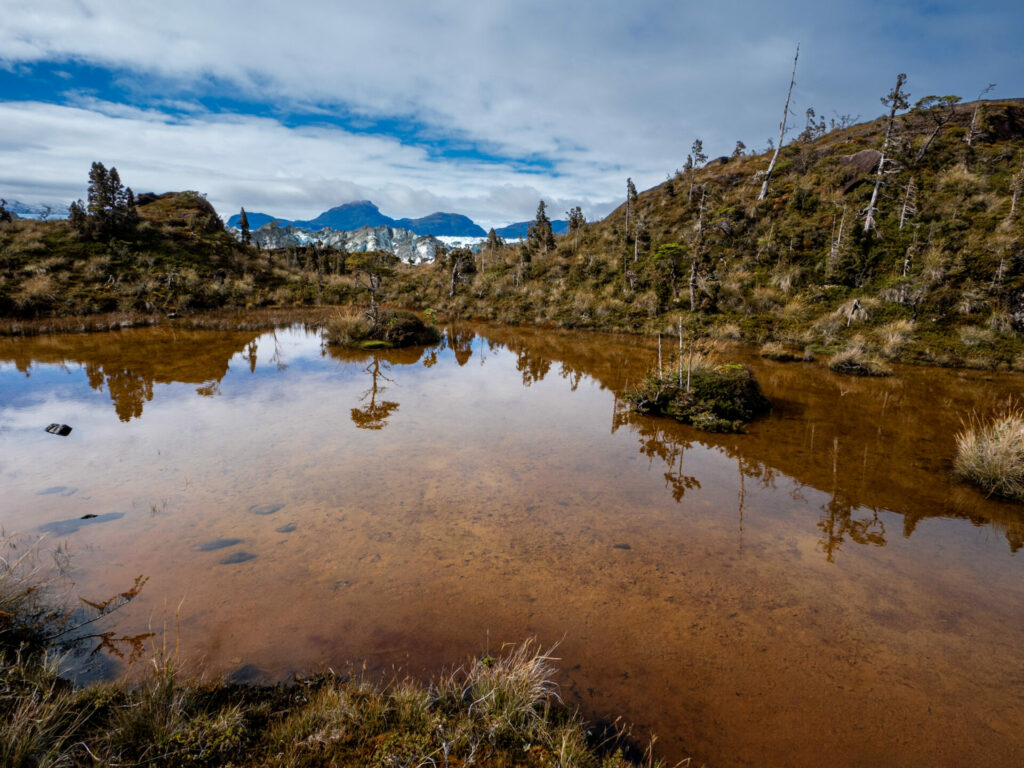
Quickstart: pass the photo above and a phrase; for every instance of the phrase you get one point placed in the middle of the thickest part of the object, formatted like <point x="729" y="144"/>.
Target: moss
<point x="719" y="399"/>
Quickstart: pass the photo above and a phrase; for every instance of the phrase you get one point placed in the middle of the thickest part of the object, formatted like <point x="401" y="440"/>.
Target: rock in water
<point x="59" y="429"/>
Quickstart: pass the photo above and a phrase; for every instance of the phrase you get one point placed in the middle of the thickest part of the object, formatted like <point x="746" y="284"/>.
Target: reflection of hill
<point x="870" y="444"/>
<point x="130" y="362"/>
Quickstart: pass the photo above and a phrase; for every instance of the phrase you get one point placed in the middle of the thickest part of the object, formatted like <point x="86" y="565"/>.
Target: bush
<point x="394" y="328"/>
<point x="991" y="454"/>
<point x="714" y="398"/>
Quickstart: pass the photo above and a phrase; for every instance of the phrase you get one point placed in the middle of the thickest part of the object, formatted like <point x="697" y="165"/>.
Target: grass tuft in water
<point x="991" y="453"/>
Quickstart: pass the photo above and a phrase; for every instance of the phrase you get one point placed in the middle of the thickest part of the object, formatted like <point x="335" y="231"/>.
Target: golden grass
<point x="990" y="453"/>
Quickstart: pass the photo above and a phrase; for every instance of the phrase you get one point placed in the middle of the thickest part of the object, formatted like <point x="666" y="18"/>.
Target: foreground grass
<point x="493" y="711"/>
<point x="991" y="454"/>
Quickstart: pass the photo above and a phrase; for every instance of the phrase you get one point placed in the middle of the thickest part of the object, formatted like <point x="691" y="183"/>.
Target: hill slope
<point x="940" y="278"/>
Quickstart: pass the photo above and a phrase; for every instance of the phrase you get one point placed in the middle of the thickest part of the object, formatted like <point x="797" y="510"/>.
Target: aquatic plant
<point x="990" y="453"/>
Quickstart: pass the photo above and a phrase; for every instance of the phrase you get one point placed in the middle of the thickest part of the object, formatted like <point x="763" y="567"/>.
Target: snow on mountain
<point x="406" y="245"/>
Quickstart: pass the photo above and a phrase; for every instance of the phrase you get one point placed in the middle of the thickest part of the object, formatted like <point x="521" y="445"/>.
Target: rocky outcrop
<point x="865" y="161"/>
<point x="408" y="246"/>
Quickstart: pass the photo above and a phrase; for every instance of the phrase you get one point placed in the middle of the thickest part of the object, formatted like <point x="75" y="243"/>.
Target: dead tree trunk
<point x="782" y="132"/>
<point x="909" y="202"/>
<point x="896" y="100"/>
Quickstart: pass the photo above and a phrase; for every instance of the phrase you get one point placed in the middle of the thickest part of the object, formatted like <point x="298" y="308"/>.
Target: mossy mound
<point x="719" y="399"/>
<point x="394" y="328"/>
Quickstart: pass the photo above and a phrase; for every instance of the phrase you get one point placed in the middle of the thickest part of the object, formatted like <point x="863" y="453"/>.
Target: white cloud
<point x="261" y="164"/>
<point x="604" y="89"/>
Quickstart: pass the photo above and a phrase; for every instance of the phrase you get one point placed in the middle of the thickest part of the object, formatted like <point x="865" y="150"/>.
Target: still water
<point x="818" y="591"/>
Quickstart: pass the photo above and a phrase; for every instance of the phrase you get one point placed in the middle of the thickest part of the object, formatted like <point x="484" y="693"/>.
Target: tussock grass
<point x="856" y="360"/>
<point x="990" y="453"/>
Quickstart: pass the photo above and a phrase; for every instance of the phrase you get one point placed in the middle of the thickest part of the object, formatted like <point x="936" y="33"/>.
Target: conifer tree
<point x="539" y="237"/>
<point x="5" y="215"/>
<point x="631" y="200"/>
<point x="694" y="160"/>
<point x="576" y="223"/>
<point x="243" y="224"/>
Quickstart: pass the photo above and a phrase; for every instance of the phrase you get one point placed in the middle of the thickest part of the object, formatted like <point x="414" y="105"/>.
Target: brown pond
<point x="819" y="591"/>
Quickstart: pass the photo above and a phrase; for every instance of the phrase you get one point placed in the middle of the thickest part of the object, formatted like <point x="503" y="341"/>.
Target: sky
<point x="479" y="108"/>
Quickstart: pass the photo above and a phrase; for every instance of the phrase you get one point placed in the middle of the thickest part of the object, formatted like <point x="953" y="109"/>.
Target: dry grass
<point x="990" y="453"/>
<point x="856" y="360"/>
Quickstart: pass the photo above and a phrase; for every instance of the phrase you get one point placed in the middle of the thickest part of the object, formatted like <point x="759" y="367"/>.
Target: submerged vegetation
<point x="990" y="453"/>
<point x="494" y="711"/>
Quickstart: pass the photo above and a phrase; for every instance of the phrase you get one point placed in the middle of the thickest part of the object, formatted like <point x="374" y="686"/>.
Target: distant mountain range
<point x="363" y="213"/>
<point x="35" y="210"/>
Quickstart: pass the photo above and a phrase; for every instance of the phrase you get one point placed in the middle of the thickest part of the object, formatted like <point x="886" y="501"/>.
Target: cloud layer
<point x="477" y="107"/>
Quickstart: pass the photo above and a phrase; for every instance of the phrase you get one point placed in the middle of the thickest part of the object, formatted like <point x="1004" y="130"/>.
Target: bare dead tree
<point x="909" y="208"/>
<point x="896" y="100"/>
<point x="782" y="131"/>
<point x="973" y="132"/>
<point x="1017" y="185"/>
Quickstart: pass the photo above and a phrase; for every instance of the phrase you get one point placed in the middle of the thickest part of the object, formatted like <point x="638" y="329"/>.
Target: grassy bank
<point x="493" y="711"/>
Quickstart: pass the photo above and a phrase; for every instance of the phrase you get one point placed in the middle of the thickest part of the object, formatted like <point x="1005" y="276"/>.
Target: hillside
<point x="178" y="259"/>
<point x="944" y="285"/>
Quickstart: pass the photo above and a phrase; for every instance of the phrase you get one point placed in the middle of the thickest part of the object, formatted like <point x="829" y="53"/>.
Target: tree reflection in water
<point x="374" y="415"/>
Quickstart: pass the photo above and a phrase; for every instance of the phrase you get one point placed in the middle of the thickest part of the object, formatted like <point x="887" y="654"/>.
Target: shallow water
<point x="818" y="591"/>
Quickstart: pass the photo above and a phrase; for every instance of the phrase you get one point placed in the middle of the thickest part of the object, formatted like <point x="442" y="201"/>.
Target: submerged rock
<point x="237" y="557"/>
<point x="265" y="509"/>
<point x="67" y="527"/>
<point x="215" y="544"/>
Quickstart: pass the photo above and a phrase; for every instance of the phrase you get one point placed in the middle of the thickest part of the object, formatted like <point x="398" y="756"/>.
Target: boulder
<point x="865" y="161"/>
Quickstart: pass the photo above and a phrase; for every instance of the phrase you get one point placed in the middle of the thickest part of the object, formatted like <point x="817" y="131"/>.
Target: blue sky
<point x="477" y="108"/>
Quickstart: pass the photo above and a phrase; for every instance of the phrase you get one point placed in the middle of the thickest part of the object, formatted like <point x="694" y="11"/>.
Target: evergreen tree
<point x="5" y="215"/>
<point x="539" y="237"/>
<point x="110" y="209"/>
<point x="576" y="223"/>
<point x="631" y="200"/>
<point x="243" y="224"/>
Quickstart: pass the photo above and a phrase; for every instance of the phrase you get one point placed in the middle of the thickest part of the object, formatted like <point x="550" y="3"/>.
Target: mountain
<point x="443" y="224"/>
<point x="354" y="215"/>
<point x="36" y="210"/>
<point x="363" y="213"/>
<point x="520" y="228"/>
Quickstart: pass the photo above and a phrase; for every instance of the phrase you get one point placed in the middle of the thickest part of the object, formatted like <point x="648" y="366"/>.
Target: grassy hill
<point x="179" y="259"/>
<point x="797" y="267"/>
<point x="939" y="279"/>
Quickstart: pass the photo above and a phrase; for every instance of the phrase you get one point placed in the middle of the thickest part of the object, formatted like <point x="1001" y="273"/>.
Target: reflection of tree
<point x="374" y="415"/>
<point x="657" y="441"/>
<point x="129" y="390"/>
<point x="461" y="342"/>
<point x="533" y="367"/>
<point x="838" y="522"/>
<point x="250" y="355"/>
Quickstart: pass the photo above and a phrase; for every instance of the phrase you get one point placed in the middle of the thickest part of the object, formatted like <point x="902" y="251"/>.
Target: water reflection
<point x="735" y="584"/>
